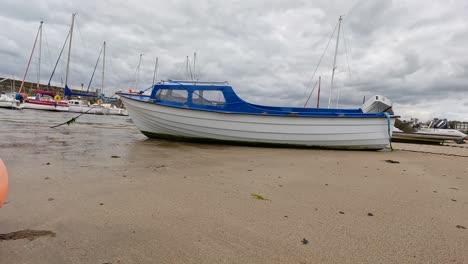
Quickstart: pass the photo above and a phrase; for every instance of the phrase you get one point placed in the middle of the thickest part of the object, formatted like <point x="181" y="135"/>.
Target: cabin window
<point x="213" y="98"/>
<point x="179" y="96"/>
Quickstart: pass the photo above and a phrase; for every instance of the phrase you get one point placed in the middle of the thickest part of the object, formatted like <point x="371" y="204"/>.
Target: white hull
<point x="339" y="132"/>
<point x="113" y="110"/>
<point x="45" y="107"/>
<point x="118" y="111"/>
<point x="88" y="110"/>
<point x="98" y="111"/>
<point x="11" y="105"/>
<point x="430" y="135"/>
<point x="10" y="102"/>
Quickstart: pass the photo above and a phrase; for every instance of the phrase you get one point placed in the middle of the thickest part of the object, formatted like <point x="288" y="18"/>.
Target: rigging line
<point x="38" y="63"/>
<point x="315" y="85"/>
<point x="130" y="77"/>
<point x="81" y="36"/>
<point x="323" y="54"/>
<point x="155" y="70"/>
<point x="47" y="45"/>
<point x="58" y="59"/>
<point x="190" y="69"/>
<point x="137" y="73"/>
<point x="180" y="72"/>
<point x="346" y="51"/>
<point x="94" y="71"/>
<point x="29" y="62"/>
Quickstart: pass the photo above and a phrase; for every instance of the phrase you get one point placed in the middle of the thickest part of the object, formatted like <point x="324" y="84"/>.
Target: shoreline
<point x="109" y="195"/>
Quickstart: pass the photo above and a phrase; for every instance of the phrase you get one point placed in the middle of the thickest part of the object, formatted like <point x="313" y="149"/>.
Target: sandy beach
<point x="109" y="195"/>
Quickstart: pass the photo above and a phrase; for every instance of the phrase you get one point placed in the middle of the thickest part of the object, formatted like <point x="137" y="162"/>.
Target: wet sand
<point x="108" y="195"/>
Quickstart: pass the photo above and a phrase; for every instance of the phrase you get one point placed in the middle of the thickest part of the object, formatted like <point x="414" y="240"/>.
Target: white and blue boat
<point x="212" y="112"/>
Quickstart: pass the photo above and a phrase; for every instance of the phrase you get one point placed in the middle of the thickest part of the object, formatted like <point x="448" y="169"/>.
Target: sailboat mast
<point x="334" y="60"/>
<point x="155" y="70"/>
<point x="40" y="51"/>
<point x="138" y="73"/>
<point x="194" y="61"/>
<point x="187" y="76"/>
<point x="29" y="62"/>
<point x="69" y="48"/>
<point x="103" y="66"/>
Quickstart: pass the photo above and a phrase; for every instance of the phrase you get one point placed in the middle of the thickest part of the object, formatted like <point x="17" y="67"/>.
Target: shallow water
<point x="30" y="130"/>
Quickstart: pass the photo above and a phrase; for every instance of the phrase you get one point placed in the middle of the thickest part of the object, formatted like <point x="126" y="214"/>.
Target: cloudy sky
<point x="413" y="52"/>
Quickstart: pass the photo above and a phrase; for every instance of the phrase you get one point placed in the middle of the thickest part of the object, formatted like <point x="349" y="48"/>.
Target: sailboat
<point x="11" y="100"/>
<point x="83" y="106"/>
<point x="43" y="100"/>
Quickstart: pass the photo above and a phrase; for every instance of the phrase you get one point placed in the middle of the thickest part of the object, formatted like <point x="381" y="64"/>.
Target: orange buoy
<point x="3" y="182"/>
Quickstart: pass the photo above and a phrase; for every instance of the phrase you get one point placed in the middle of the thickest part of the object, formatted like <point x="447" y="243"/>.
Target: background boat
<point x="437" y="132"/>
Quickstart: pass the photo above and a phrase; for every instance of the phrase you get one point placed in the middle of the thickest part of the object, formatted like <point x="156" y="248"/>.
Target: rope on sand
<point x="73" y="119"/>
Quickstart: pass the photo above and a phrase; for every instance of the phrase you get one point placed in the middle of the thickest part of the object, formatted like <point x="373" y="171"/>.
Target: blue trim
<point x="69" y="92"/>
<point x="236" y="105"/>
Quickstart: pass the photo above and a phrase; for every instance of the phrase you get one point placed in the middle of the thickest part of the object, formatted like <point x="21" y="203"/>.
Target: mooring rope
<point x="389" y="129"/>
<point x="73" y="119"/>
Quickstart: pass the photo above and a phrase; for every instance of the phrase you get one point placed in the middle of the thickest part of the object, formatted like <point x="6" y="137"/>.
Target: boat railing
<point x="196" y="82"/>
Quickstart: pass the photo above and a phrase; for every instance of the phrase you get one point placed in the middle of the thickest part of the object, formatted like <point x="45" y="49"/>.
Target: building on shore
<point x="8" y="85"/>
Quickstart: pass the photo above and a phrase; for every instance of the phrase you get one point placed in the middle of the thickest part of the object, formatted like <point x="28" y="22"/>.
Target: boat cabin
<point x="220" y="97"/>
<point x="79" y="103"/>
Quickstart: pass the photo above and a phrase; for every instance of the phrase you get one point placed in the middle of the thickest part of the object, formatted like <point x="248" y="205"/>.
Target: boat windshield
<point x="174" y="95"/>
<point x="208" y="97"/>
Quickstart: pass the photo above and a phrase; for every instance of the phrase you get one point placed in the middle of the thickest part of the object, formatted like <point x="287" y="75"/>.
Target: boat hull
<point x="11" y="105"/>
<point x="159" y="121"/>
<point x="45" y="105"/>
<point x="429" y="136"/>
<point x="88" y="110"/>
<point x="10" y="102"/>
<point x="118" y="111"/>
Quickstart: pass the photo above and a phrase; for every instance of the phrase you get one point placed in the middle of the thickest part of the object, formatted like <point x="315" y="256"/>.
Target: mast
<point x="40" y="51"/>
<point x="95" y="67"/>
<point x="194" y="61"/>
<point x="155" y="70"/>
<point x="30" y="57"/>
<point x="138" y="72"/>
<point x="69" y="48"/>
<point x="334" y="60"/>
<point x="186" y="69"/>
<point x="318" y="95"/>
<point x="103" y="66"/>
<point x="58" y="59"/>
